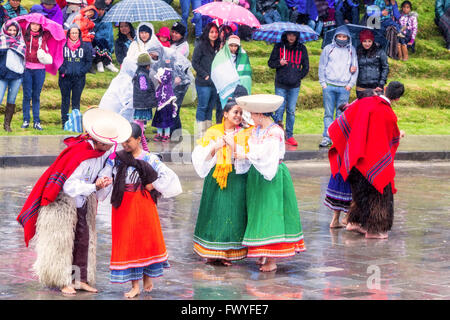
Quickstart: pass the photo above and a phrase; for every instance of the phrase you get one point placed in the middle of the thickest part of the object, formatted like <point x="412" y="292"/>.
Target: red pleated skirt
<point x="137" y="238"/>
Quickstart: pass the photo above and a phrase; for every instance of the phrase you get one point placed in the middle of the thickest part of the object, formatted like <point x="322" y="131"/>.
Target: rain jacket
<point x="335" y="62"/>
<point x="290" y="75"/>
<point x="119" y="95"/>
<point x="85" y="24"/>
<point x="373" y="70"/>
<point x="138" y="46"/>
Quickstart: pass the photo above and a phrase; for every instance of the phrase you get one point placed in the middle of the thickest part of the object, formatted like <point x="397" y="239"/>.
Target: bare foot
<point x="68" y="290"/>
<point x="355" y="227"/>
<point x="379" y="235"/>
<point x="84" y="286"/>
<point x="269" y="266"/>
<point x="132" y="293"/>
<point x="336" y="224"/>
<point x="148" y="284"/>
<point x="261" y="261"/>
<point x="345" y="220"/>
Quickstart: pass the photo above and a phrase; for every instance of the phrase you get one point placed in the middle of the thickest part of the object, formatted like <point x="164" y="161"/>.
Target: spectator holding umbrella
<point x="14" y="9"/>
<point x="124" y="39"/>
<point x="72" y="73"/>
<point x="33" y="80"/>
<point x="12" y="63"/>
<point x="372" y="63"/>
<point x="290" y="59"/>
<point x="145" y="38"/>
<point x="338" y="72"/>
<point x="202" y="59"/>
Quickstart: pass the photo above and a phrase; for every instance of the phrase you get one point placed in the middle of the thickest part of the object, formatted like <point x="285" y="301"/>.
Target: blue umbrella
<point x="141" y="10"/>
<point x="272" y="32"/>
<point x="354" y="30"/>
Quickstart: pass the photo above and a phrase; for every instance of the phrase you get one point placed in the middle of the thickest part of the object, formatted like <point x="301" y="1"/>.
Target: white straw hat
<point x="106" y="126"/>
<point x="260" y="103"/>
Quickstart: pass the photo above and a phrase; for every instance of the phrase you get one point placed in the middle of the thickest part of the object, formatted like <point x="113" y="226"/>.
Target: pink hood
<point x="56" y="41"/>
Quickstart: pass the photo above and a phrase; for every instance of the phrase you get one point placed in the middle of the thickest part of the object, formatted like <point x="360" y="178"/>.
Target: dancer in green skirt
<point x="273" y="227"/>
<point x="222" y="215"/>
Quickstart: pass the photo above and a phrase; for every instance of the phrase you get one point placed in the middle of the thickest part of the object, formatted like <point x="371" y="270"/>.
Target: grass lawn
<point x="423" y="110"/>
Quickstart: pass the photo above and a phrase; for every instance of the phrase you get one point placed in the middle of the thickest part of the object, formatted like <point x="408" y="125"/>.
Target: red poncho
<point x="366" y="136"/>
<point x="52" y="181"/>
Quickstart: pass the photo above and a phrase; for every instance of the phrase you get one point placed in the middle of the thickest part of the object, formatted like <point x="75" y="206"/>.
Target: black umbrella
<point x="354" y="30"/>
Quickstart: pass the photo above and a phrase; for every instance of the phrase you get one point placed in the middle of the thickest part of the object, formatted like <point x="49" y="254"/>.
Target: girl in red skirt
<point x="138" y="248"/>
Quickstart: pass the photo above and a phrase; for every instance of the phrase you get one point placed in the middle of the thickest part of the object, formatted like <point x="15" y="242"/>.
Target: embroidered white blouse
<point x="266" y="149"/>
<point x="203" y="162"/>
<point x="167" y="183"/>
<point x="81" y="183"/>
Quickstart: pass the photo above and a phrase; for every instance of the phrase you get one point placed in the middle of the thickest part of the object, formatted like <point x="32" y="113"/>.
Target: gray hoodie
<point x="335" y="62"/>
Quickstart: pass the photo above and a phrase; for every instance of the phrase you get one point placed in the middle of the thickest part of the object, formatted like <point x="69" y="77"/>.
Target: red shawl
<point x="366" y="136"/>
<point x="51" y="182"/>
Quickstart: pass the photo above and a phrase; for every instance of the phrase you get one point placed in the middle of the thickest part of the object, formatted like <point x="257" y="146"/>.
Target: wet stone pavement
<point x="414" y="263"/>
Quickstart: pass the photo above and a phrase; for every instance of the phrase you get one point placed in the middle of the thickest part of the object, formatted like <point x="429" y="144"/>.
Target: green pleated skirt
<point x="222" y="218"/>
<point x="273" y="227"/>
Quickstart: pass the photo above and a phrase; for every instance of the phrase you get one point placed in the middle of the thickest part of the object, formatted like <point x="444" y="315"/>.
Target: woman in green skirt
<point x="222" y="215"/>
<point x="273" y="228"/>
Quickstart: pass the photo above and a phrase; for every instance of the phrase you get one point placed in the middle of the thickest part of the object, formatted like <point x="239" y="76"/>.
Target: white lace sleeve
<point x="265" y="152"/>
<point x="168" y="182"/>
<point x="241" y="166"/>
<point x="76" y="185"/>
<point x="202" y="160"/>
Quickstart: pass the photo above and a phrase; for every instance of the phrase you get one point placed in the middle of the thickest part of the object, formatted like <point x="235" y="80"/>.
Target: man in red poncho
<point x="60" y="211"/>
<point x="365" y="139"/>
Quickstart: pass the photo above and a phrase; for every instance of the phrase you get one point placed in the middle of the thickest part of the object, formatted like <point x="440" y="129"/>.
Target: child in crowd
<point x="144" y="98"/>
<point x="167" y="108"/>
<point x="164" y="36"/>
<point x="408" y="32"/>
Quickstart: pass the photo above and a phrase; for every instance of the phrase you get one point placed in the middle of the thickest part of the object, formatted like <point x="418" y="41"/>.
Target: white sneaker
<point x="100" y="67"/>
<point x="111" y="67"/>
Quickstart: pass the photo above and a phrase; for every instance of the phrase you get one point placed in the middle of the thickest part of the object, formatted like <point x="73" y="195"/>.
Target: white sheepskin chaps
<point x="54" y="241"/>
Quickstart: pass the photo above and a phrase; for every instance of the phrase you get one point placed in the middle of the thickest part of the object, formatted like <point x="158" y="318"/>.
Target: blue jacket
<point x="104" y="30"/>
<point x="78" y="62"/>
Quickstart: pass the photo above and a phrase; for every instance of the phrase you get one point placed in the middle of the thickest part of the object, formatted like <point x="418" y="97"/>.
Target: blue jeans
<point x="70" y="85"/>
<point x="13" y="87"/>
<point x="185" y="6"/>
<point x="289" y="103"/>
<point x="207" y="97"/>
<point x="333" y="97"/>
<point x="33" y="80"/>
<point x="272" y="16"/>
<point x="317" y="26"/>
